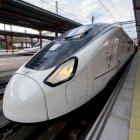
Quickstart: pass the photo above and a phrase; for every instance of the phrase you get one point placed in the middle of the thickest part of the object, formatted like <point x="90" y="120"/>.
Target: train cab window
<point x="78" y="32"/>
<point x="84" y="31"/>
<point x="62" y="36"/>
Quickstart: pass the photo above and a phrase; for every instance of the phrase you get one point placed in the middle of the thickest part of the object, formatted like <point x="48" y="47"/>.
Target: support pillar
<point x="40" y="37"/>
<point x="1" y="45"/>
<point x="12" y="44"/>
<point x="56" y="2"/>
<point x="31" y="42"/>
<point x="56" y="33"/>
<point x="4" y="27"/>
<point x="26" y="44"/>
<point x="21" y="44"/>
<point x="6" y="44"/>
<point x="92" y="19"/>
<point x="0" y="42"/>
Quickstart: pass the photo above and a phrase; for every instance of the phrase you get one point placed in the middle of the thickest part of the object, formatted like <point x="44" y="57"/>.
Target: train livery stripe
<point x="105" y="72"/>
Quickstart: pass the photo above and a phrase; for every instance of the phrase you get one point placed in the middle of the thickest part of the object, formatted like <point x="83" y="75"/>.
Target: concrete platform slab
<point x="114" y="129"/>
<point x="128" y="84"/>
<point x="122" y="109"/>
<point x="125" y="94"/>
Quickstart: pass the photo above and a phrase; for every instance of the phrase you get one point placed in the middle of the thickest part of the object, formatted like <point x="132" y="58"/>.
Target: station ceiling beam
<point x="20" y="13"/>
<point x="19" y="34"/>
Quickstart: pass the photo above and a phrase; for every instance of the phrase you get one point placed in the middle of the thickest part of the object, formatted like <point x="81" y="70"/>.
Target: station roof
<point x="20" y="13"/>
<point x="19" y="34"/>
<point x="136" y="4"/>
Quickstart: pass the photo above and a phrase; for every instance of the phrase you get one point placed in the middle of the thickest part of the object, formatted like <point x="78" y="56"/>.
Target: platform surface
<point x="118" y="124"/>
<point x="9" y="63"/>
<point x="134" y="132"/>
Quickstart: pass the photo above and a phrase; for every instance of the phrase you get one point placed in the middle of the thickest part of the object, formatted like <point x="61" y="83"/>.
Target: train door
<point x="113" y="57"/>
<point x="90" y="76"/>
<point x="77" y="89"/>
<point x="101" y="66"/>
<point x="121" y="49"/>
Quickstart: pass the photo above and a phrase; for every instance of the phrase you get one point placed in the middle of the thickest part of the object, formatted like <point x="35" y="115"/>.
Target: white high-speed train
<point x="33" y="49"/>
<point x="66" y="73"/>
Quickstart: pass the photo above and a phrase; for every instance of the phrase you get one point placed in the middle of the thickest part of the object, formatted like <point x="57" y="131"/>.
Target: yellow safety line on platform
<point x="134" y="132"/>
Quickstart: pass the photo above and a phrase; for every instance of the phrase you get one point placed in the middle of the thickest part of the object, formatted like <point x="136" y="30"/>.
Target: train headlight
<point x="63" y="72"/>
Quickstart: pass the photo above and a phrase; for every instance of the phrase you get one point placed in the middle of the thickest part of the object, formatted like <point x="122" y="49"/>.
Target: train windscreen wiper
<point x="86" y="32"/>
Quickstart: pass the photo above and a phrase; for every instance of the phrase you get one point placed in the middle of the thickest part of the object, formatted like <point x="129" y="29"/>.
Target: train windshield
<point x="78" y="32"/>
<point x="64" y="46"/>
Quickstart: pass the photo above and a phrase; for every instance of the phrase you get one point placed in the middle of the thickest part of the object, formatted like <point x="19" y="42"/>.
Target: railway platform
<point x="3" y="53"/>
<point x="134" y="131"/>
<point x="123" y="121"/>
<point x="8" y="65"/>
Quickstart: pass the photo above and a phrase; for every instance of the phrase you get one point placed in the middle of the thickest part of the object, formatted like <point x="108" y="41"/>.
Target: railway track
<point x="73" y="126"/>
<point x="6" y="72"/>
<point x="5" y="76"/>
<point x="2" y="87"/>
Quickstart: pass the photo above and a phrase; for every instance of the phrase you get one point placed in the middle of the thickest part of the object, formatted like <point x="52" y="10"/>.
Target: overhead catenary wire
<point x="116" y="10"/>
<point x="129" y="31"/>
<point x="62" y="10"/>
<point x="107" y="10"/>
<point x="55" y="7"/>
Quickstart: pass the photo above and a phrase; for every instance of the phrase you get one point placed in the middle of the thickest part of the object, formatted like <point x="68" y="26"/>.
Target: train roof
<point x="101" y="24"/>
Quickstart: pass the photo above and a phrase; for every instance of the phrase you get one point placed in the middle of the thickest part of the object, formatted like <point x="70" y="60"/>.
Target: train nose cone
<point x="24" y="100"/>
